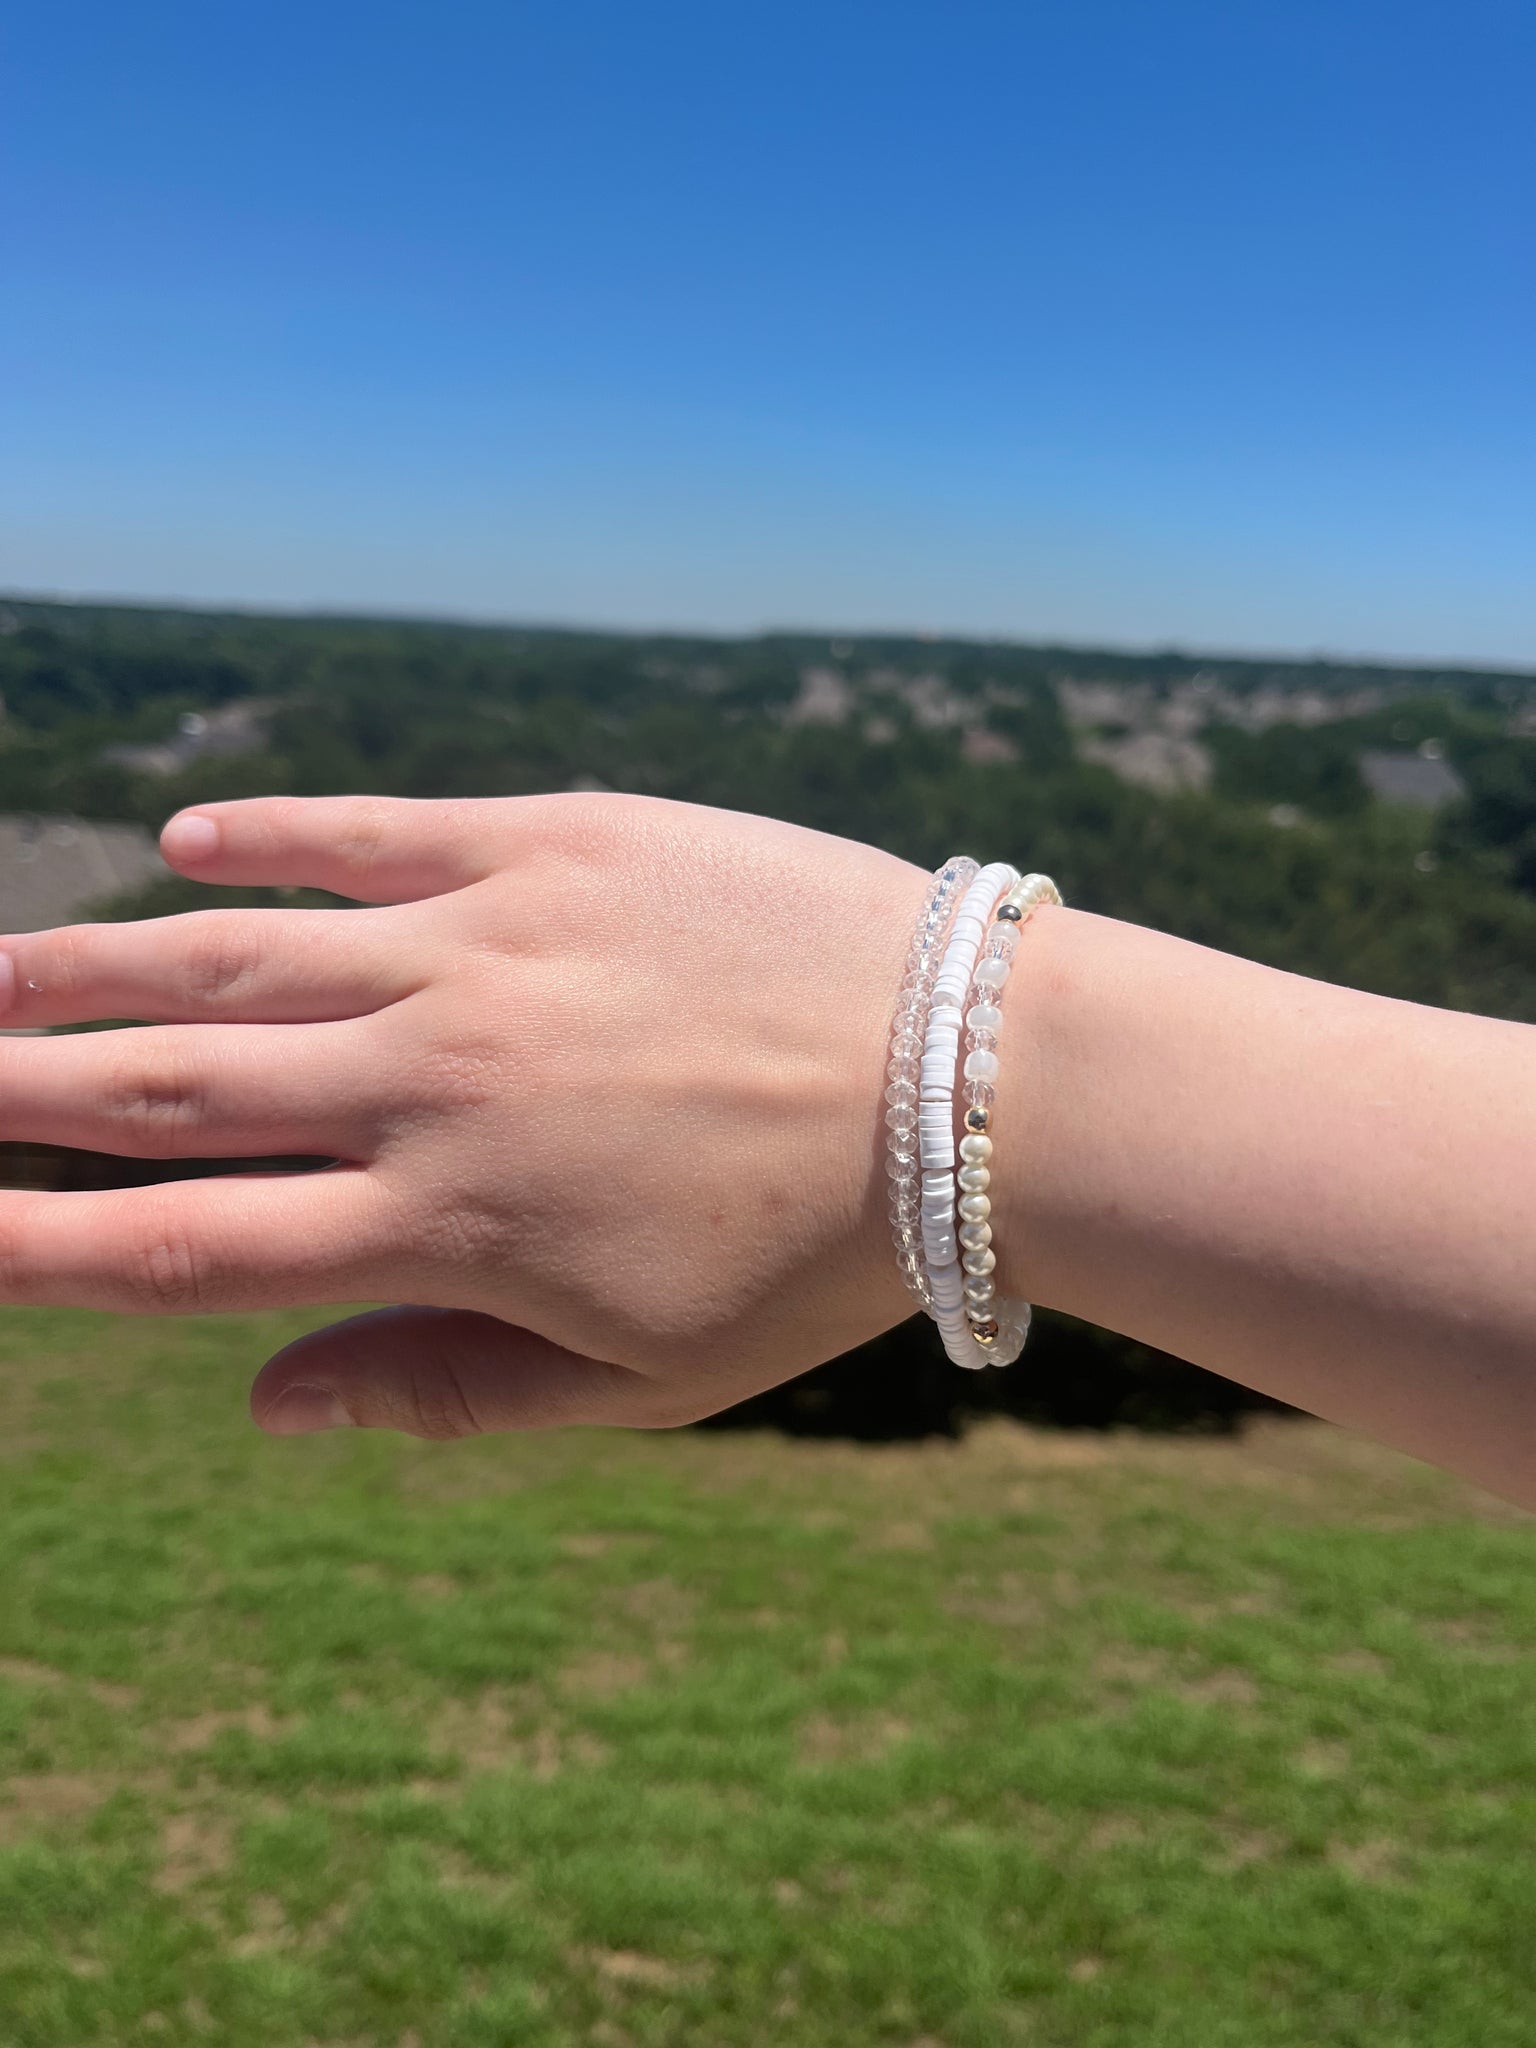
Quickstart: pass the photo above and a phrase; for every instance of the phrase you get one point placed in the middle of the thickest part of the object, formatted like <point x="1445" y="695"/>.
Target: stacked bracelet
<point x="941" y="1217"/>
<point x="936" y="1128"/>
<point x="908" y="1032"/>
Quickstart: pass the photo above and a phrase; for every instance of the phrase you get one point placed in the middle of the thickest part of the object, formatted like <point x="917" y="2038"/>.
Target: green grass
<point x="612" y="1740"/>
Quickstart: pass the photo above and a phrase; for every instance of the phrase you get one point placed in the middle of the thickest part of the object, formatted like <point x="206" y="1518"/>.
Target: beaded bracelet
<point x="941" y="1218"/>
<point x="997" y="1327"/>
<point x="908" y="1032"/>
<point x="936" y="1131"/>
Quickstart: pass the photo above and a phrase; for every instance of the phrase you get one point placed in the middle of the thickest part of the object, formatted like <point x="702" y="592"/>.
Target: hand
<point x="603" y="1083"/>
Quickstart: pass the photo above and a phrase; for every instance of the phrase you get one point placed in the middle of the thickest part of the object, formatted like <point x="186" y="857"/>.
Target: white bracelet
<point x="908" y="1032"/>
<point x="997" y="1327"/>
<point x="936" y="1131"/>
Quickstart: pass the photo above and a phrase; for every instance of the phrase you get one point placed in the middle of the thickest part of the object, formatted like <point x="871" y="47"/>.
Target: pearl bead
<point x="979" y="1287"/>
<point x="975" y="1235"/>
<point x="974" y="1209"/>
<point x="976" y="1151"/>
<point x="984" y="1261"/>
<point x="973" y="1180"/>
<point x="981" y="1065"/>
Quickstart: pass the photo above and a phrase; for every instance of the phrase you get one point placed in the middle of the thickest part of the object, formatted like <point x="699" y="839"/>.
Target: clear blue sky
<point x="1210" y="321"/>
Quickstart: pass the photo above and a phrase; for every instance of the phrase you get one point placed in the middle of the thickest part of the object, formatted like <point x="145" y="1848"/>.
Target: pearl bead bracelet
<point x="997" y="1327"/>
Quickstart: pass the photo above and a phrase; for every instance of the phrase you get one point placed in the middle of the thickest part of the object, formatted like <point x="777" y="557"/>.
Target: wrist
<point x="1037" y="1099"/>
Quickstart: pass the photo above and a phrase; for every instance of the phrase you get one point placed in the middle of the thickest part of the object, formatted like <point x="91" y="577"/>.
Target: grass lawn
<point x="604" y="1739"/>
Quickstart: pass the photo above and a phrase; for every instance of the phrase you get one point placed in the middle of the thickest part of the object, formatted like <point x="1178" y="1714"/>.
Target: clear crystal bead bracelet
<point x="941" y="1216"/>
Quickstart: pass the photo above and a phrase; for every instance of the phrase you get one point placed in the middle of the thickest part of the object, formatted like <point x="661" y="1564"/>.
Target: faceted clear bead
<point x="980" y="1094"/>
<point x="902" y="1165"/>
<point x="904" y="1067"/>
<point x="901" y="1091"/>
<point x="1001" y="942"/>
<point x="983" y="1041"/>
<point x="903" y="1117"/>
<point x="906" y="1045"/>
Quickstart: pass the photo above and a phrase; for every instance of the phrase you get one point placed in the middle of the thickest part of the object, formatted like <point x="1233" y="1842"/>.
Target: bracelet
<point x="936" y="1130"/>
<point x="940" y="1213"/>
<point x="908" y="1032"/>
<point x="997" y="1327"/>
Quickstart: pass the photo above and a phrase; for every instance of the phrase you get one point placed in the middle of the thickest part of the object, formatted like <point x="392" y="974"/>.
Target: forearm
<point x="1323" y="1194"/>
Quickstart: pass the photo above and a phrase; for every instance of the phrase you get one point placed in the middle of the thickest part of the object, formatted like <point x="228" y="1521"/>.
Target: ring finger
<point x="258" y="966"/>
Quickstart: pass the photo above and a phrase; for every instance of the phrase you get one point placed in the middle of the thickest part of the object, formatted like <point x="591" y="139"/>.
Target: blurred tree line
<point x="921" y="746"/>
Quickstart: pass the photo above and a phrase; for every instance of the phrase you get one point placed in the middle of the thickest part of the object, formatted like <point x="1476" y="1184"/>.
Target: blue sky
<point x="1146" y="322"/>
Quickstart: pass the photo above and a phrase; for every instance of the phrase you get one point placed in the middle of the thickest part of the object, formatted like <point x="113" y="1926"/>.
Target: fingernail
<point x="300" y="1410"/>
<point x="7" y="981"/>
<point x="190" y="839"/>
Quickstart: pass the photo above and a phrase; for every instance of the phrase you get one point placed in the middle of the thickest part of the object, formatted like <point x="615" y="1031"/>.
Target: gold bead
<point x="977" y="1119"/>
<point x="986" y="1333"/>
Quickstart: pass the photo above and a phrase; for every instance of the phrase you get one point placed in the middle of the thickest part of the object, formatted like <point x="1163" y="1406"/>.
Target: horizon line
<point x="469" y="621"/>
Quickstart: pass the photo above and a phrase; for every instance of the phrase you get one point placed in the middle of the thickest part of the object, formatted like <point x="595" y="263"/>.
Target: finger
<point x="202" y="1246"/>
<point x="441" y="1373"/>
<point x="193" y="1091"/>
<point x="259" y="966"/>
<point x="377" y="849"/>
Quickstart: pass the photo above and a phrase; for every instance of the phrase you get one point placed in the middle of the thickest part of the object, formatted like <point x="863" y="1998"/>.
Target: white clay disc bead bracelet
<point x="904" y="1071"/>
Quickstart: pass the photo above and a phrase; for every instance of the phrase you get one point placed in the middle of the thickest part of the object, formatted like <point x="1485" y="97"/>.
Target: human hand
<point x="602" y="1076"/>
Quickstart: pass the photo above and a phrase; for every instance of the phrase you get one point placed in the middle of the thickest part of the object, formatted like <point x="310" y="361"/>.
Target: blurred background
<point x="911" y="422"/>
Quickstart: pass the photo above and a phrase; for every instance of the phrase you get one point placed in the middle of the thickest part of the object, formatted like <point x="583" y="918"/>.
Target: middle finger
<point x="185" y="1091"/>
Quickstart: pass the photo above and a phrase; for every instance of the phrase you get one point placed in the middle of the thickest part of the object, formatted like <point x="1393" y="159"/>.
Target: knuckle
<point x="158" y="1105"/>
<point x="61" y="966"/>
<point x="362" y="836"/>
<point x="166" y="1273"/>
<point x="219" y="964"/>
<point x="436" y="1407"/>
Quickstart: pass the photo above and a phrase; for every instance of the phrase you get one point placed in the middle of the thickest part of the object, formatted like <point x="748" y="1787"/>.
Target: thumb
<point x="437" y="1372"/>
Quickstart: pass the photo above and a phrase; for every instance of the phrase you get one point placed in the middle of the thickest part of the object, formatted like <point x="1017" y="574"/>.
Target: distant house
<point x="1421" y="778"/>
<point x="53" y="870"/>
<point x="199" y="735"/>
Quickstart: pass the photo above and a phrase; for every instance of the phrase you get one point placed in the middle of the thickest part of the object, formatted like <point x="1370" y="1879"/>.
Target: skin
<point x="603" y="1077"/>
